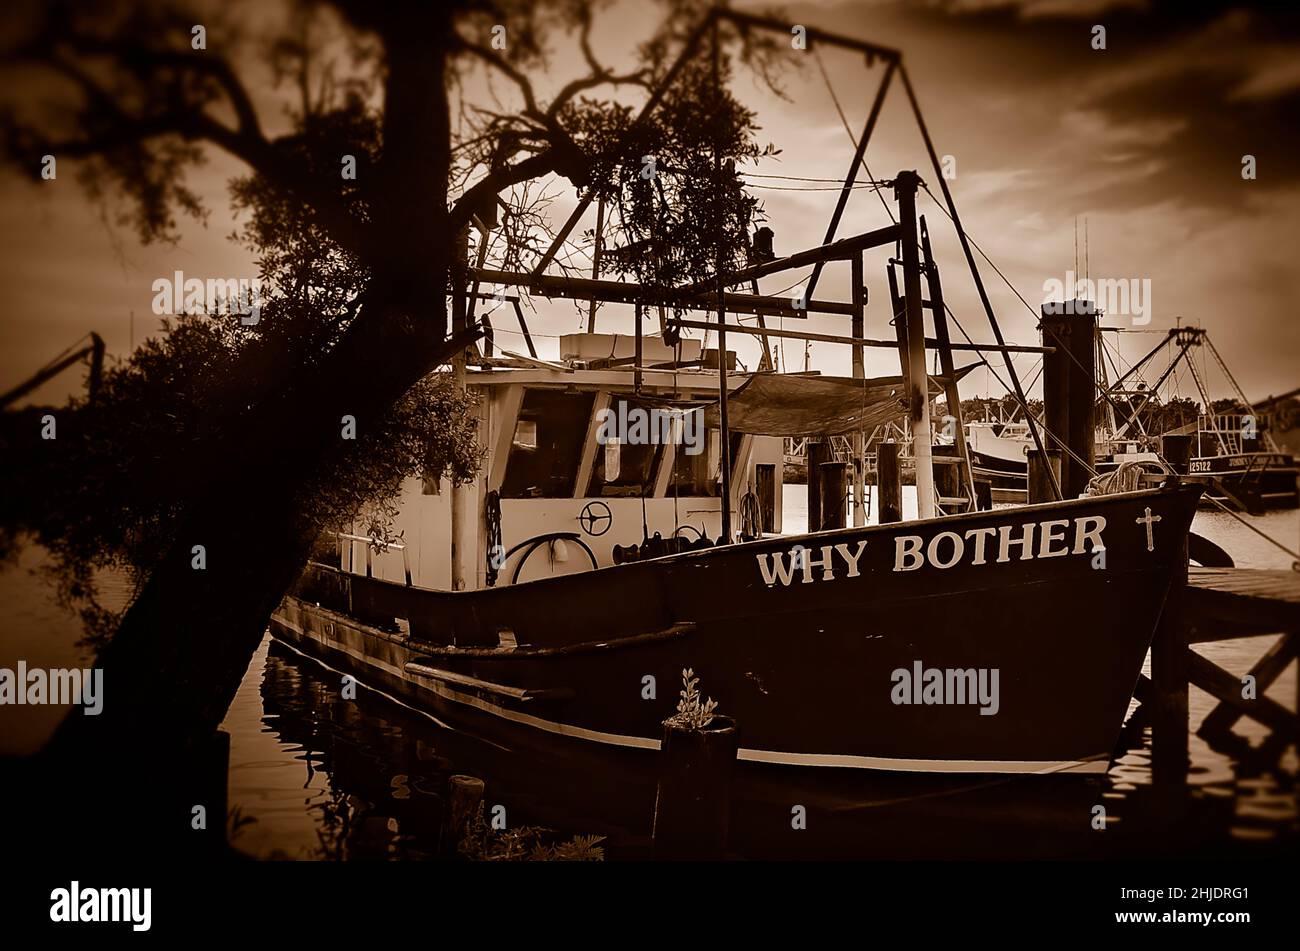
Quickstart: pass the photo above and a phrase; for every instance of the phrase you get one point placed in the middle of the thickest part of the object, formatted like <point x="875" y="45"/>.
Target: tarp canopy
<point x="779" y="404"/>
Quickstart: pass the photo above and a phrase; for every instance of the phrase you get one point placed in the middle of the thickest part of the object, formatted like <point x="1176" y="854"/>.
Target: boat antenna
<point x="645" y="526"/>
<point x="677" y="518"/>
<point x="1087" y="271"/>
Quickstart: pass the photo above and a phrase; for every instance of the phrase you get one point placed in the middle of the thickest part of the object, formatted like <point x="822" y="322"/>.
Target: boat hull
<point x="1008" y="479"/>
<point x="1267" y="480"/>
<point x="811" y="656"/>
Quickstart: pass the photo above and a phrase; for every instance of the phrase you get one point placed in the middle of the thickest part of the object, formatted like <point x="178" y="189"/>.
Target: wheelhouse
<point x="582" y="467"/>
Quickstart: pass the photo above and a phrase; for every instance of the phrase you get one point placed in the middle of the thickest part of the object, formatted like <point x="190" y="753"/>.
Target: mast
<point x="975" y="275"/>
<point x="859" y="373"/>
<point x="918" y="383"/>
<point x="951" y="394"/>
<point x="722" y="301"/>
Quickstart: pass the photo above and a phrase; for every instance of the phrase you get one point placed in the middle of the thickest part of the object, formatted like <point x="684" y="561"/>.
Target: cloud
<point x="1030" y="9"/>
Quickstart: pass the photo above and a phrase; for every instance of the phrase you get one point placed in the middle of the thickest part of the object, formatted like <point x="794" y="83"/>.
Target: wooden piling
<point x="1070" y="389"/>
<point x="1170" y="671"/>
<point x="889" y="480"/>
<point x="834" y="495"/>
<point x="1040" y="481"/>
<point x="464" y="793"/>
<point x="1177" y="450"/>
<point x="693" y="800"/>
<point x="958" y="479"/>
<point x="818" y="451"/>
<point x="949" y="475"/>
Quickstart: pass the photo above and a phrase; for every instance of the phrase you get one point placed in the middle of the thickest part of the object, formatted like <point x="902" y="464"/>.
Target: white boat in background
<point x="999" y="455"/>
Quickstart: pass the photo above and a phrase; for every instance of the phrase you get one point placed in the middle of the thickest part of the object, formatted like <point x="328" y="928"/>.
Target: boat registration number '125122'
<point x="1054" y="538"/>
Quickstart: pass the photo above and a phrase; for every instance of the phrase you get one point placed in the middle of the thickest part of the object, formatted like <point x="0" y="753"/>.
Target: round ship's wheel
<point x="596" y="518"/>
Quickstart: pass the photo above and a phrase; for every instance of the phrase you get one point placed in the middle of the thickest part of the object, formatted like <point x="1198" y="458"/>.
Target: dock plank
<point x="1274" y="584"/>
<point x="1235" y="602"/>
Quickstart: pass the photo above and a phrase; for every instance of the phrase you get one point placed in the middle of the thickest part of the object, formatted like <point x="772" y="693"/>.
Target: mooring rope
<point x="1126" y="478"/>
<point x="849" y="132"/>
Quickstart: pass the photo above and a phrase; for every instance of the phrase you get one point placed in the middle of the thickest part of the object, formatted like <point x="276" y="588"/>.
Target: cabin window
<point x="526" y="434"/>
<point x="546" y="449"/>
<point x="625" y="466"/>
<point x="698" y="474"/>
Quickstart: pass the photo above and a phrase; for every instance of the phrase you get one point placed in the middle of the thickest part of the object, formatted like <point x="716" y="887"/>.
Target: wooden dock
<point x="1217" y="604"/>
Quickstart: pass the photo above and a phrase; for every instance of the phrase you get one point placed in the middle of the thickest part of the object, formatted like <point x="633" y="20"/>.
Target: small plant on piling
<point x="694" y="711"/>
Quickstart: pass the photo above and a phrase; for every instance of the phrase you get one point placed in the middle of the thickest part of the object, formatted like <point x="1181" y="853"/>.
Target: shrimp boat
<point x="799" y="638"/>
<point x="1232" y="453"/>
<point x="556" y="599"/>
<point x="553" y="603"/>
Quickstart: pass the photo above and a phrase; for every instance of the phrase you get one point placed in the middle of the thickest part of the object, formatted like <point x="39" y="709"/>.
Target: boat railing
<point x="371" y="544"/>
<point x="1231" y="430"/>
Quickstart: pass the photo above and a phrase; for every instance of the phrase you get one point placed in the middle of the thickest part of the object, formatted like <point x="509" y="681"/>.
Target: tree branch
<point x="497" y="181"/>
<point x="500" y="64"/>
<point x="117" y="129"/>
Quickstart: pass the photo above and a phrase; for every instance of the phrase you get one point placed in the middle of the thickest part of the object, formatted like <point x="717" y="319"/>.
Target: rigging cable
<point x="848" y="131"/>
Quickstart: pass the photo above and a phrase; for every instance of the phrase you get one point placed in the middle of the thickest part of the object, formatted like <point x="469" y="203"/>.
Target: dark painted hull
<point x="806" y="668"/>
<point x="1008" y="478"/>
<point x="1267" y="479"/>
<point x="1270" y="481"/>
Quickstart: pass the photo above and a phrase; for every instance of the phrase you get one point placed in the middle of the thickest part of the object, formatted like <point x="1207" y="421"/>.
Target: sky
<point x="1141" y="142"/>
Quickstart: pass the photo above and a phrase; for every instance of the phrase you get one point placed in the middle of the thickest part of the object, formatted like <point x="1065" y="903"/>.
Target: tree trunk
<point x="185" y="643"/>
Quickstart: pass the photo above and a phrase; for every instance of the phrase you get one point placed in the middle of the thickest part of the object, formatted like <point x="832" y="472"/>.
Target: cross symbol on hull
<point x="1149" y="521"/>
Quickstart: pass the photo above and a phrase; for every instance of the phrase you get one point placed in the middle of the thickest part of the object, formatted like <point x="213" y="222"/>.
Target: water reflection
<point x="1240" y="796"/>
<point x="327" y="778"/>
<point x="316" y="776"/>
